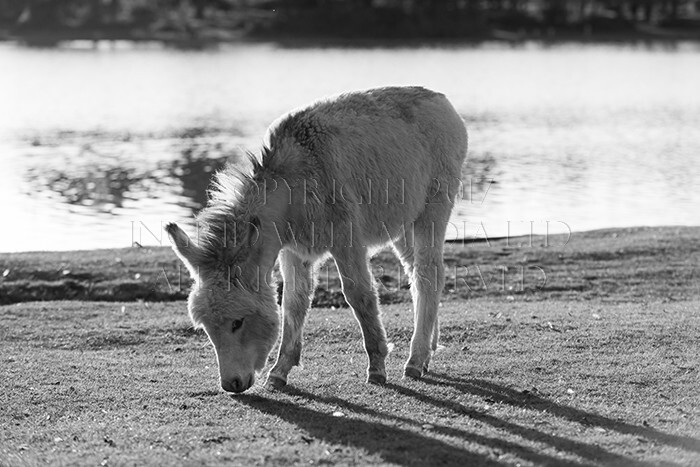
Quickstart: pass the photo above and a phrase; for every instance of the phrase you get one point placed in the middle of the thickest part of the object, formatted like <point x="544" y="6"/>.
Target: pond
<point x="101" y="143"/>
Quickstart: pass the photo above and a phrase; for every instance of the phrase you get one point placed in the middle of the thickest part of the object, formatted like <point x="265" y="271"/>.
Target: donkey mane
<point x="235" y="200"/>
<point x="237" y="197"/>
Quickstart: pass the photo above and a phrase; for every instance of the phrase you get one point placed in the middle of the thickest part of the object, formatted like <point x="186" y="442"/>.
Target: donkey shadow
<point x="391" y="442"/>
<point x="531" y="400"/>
<point x="390" y="436"/>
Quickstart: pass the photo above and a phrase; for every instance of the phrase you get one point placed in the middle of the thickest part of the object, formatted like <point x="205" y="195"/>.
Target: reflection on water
<point x="108" y="177"/>
<point x="195" y="173"/>
<point x="101" y="182"/>
<point x="95" y="142"/>
<point x="99" y="187"/>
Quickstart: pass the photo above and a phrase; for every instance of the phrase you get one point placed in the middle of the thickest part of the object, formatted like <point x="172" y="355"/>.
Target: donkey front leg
<point x="358" y="288"/>
<point x="298" y="277"/>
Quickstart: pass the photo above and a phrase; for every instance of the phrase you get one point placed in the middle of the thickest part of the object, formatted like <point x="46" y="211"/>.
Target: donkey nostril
<point x="229" y="385"/>
<point x="233" y="385"/>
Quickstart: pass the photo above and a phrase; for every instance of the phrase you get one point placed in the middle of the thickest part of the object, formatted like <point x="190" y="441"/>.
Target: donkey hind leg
<point x="298" y="277"/>
<point x="405" y="252"/>
<point x="427" y="282"/>
<point x="358" y="288"/>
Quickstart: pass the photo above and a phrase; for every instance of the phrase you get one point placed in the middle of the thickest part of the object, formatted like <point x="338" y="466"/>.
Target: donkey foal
<point x="340" y="177"/>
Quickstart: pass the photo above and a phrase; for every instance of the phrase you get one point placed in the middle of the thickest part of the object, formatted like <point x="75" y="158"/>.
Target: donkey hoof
<point x="412" y="372"/>
<point x="275" y="382"/>
<point x="376" y="378"/>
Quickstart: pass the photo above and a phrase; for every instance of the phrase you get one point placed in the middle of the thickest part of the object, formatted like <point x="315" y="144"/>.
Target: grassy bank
<point x="559" y="382"/>
<point x="635" y="265"/>
<point x="572" y="351"/>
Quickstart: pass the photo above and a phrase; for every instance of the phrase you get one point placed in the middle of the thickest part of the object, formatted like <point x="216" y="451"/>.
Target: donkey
<point x="343" y="177"/>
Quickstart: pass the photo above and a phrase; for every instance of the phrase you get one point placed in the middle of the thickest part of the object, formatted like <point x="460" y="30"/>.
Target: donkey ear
<point x="183" y="247"/>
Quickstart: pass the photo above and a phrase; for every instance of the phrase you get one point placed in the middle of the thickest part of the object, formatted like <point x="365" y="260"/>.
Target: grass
<point x="622" y="265"/>
<point x="519" y="382"/>
<point x="580" y="351"/>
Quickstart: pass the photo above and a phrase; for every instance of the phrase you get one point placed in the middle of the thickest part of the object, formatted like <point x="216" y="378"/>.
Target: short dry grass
<point x="518" y="383"/>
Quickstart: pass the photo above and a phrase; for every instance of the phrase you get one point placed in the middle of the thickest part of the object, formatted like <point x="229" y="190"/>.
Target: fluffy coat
<point x="341" y="177"/>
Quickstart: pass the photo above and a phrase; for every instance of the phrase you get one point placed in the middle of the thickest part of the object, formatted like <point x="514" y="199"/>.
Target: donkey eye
<point x="237" y="323"/>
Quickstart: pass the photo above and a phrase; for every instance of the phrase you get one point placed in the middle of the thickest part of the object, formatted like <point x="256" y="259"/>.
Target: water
<point x="99" y="145"/>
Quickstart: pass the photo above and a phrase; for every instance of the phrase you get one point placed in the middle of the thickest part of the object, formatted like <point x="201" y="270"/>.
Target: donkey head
<point x="233" y="302"/>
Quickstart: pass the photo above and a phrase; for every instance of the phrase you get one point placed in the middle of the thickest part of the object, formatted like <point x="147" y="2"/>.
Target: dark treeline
<point x="371" y="19"/>
<point x="478" y="18"/>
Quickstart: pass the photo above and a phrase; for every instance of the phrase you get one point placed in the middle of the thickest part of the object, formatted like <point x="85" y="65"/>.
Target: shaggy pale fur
<point x="340" y="177"/>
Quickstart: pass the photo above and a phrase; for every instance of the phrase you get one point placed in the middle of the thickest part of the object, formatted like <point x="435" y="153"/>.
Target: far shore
<point x="211" y="38"/>
<point x="617" y="265"/>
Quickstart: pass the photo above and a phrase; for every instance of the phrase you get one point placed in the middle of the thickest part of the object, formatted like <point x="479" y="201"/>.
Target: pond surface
<point x="101" y="143"/>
